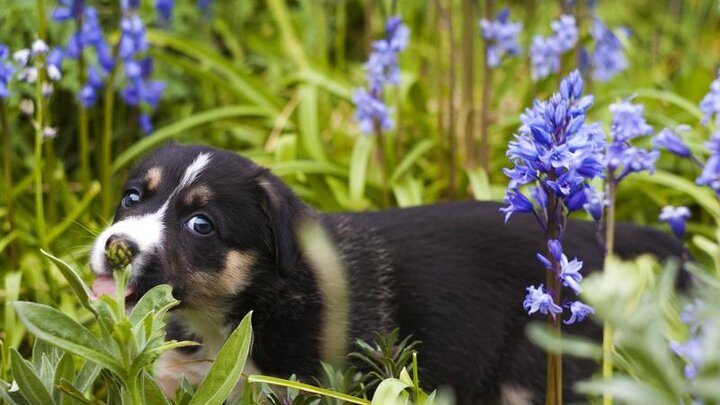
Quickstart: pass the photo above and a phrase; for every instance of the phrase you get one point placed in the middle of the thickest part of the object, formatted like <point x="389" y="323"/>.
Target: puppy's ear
<point x="285" y="211"/>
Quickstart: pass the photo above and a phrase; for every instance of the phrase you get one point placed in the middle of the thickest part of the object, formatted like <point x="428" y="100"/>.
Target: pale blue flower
<point x="501" y="36"/>
<point x="538" y="299"/>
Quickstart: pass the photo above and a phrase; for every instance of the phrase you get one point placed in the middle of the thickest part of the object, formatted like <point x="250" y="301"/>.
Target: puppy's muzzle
<point x="120" y="251"/>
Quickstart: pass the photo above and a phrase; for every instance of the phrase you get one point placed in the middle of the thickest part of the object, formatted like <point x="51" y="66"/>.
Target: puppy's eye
<point x="130" y="198"/>
<point x="200" y="224"/>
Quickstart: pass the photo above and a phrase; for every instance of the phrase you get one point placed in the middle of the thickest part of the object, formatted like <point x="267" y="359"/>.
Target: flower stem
<point x="553" y="395"/>
<point x="446" y="20"/>
<point x="106" y="201"/>
<point x="469" y="22"/>
<point x="83" y="125"/>
<point x="8" y="180"/>
<point x="382" y="163"/>
<point x="607" y="347"/>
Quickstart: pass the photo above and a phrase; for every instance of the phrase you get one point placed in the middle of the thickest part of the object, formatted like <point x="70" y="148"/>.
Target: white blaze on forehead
<point x="145" y="230"/>
<point x="193" y="171"/>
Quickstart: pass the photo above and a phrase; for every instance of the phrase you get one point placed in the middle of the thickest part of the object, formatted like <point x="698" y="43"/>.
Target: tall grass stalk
<point x="469" y="30"/>
<point x="8" y="181"/>
<point x="38" y="157"/>
<point x="484" y="153"/>
<point x="83" y="125"/>
<point x="105" y="164"/>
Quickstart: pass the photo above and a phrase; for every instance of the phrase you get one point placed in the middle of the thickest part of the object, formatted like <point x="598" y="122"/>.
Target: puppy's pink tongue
<point x="105" y="285"/>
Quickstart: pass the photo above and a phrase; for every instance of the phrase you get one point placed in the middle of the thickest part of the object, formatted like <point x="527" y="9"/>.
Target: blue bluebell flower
<point x="578" y="312"/>
<point x="710" y="104"/>
<point x="545" y="53"/>
<point x="6" y="71"/>
<point x="133" y="38"/>
<point x="668" y="139"/>
<point x="538" y="299"/>
<point x="595" y="203"/>
<point x="53" y="63"/>
<point x="608" y="58"/>
<point x="710" y="175"/>
<point x="691" y="351"/>
<point x="146" y="125"/>
<point x="89" y="90"/>
<point x="69" y="10"/>
<point x="39" y="47"/>
<point x="370" y="110"/>
<point x="381" y="69"/>
<point x="165" y="8"/>
<point x="628" y="121"/>
<point x="675" y="217"/>
<point x="621" y="158"/>
<point x="516" y="202"/>
<point x="570" y="273"/>
<point x="501" y="36"/>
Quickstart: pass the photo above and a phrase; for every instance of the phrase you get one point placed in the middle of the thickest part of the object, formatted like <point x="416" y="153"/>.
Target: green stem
<point x="8" y="180"/>
<point x="83" y="126"/>
<point x="607" y="365"/>
<point x="446" y="18"/>
<point x="39" y="125"/>
<point x="42" y="19"/>
<point x="554" y="392"/>
<point x="380" y="157"/>
<point x="105" y="163"/>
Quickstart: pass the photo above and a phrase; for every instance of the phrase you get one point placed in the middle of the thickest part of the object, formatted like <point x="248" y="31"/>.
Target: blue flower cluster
<point x="622" y="158"/>
<point x="139" y="90"/>
<point x="710" y="104"/>
<point x="558" y="152"/>
<point x="675" y="217"/>
<point x="545" y="53"/>
<point x="6" y="71"/>
<point x="381" y="69"/>
<point x="691" y="349"/>
<point x="501" y="36"/>
<point x="608" y="58"/>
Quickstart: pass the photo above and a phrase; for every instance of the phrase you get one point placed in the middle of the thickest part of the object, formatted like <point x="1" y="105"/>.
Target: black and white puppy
<point x="222" y="232"/>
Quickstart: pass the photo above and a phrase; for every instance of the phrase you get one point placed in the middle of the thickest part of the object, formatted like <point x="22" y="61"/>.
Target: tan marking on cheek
<point x="153" y="178"/>
<point x="199" y="194"/>
<point x="232" y="279"/>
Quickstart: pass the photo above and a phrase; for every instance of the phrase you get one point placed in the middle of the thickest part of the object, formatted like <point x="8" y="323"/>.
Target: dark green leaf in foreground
<point x="59" y="329"/>
<point x="228" y="366"/>
<point x="29" y="383"/>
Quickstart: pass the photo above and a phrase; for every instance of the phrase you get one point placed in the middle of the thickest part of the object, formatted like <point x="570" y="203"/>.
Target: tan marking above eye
<point x="199" y="194"/>
<point x="232" y="279"/>
<point x="153" y="178"/>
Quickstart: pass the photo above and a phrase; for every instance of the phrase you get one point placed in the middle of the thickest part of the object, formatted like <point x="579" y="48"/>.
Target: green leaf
<point x="227" y="367"/>
<point x="307" y="388"/>
<point x="31" y="387"/>
<point x="68" y="390"/>
<point x="391" y="392"/>
<point x="410" y="159"/>
<point x="308" y="123"/>
<point x="358" y="169"/>
<point x="307" y="167"/>
<point x="65" y="370"/>
<point x="73" y="278"/>
<point x="153" y="393"/>
<point x="183" y="125"/>
<point x="627" y="391"/>
<point x="159" y="297"/>
<point x="87" y="375"/>
<point x="543" y="336"/>
<point x="64" y="332"/>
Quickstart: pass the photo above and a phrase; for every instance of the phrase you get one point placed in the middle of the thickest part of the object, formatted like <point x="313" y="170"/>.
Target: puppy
<point x="222" y="232"/>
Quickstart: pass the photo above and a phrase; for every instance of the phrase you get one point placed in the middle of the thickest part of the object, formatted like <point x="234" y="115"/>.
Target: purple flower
<point x="538" y="299"/>
<point x="628" y="121"/>
<point x="69" y="9"/>
<point x="669" y="140"/>
<point x="145" y="122"/>
<point x="570" y="273"/>
<point x="545" y="53"/>
<point x="88" y="93"/>
<point x="6" y="71"/>
<point x="579" y="311"/>
<point x="133" y="38"/>
<point x="501" y="37"/>
<point x="691" y="351"/>
<point x="675" y="217"/>
<point x="710" y="104"/>
<point x="370" y="110"/>
<point x="710" y="175"/>
<point x="54" y="62"/>
<point x="165" y="8"/>
<point x="595" y="203"/>
<point x="608" y="59"/>
<point x="516" y="202"/>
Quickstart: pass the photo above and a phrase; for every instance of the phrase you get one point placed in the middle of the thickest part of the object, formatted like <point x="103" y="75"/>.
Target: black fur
<point x="453" y="275"/>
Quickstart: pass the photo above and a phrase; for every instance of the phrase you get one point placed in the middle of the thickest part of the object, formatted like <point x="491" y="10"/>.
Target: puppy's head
<point x="205" y="221"/>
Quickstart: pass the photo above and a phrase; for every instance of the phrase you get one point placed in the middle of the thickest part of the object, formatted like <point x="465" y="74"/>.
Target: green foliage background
<point x="272" y="80"/>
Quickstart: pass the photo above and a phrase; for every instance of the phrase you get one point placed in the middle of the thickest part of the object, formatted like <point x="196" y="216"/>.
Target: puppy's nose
<point x="120" y="250"/>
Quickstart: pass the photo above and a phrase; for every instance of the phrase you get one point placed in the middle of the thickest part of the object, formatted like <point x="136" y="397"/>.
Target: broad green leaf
<point x="480" y="183"/>
<point x="182" y="125"/>
<point x="307" y="388"/>
<point x="411" y="158"/>
<point x="391" y="392"/>
<point x="87" y="375"/>
<point x="308" y="123"/>
<point x="153" y="393"/>
<point x="227" y="367"/>
<point x="540" y="334"/>
<point x="59" y="329"/>
<point x="359" y="169"/>
<point x="627" y="391"/>
<point x="31" y="387"/>
<point x="158" y="297"/>
<point x="73" y="278"/>
<point x="65" y="370"/>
